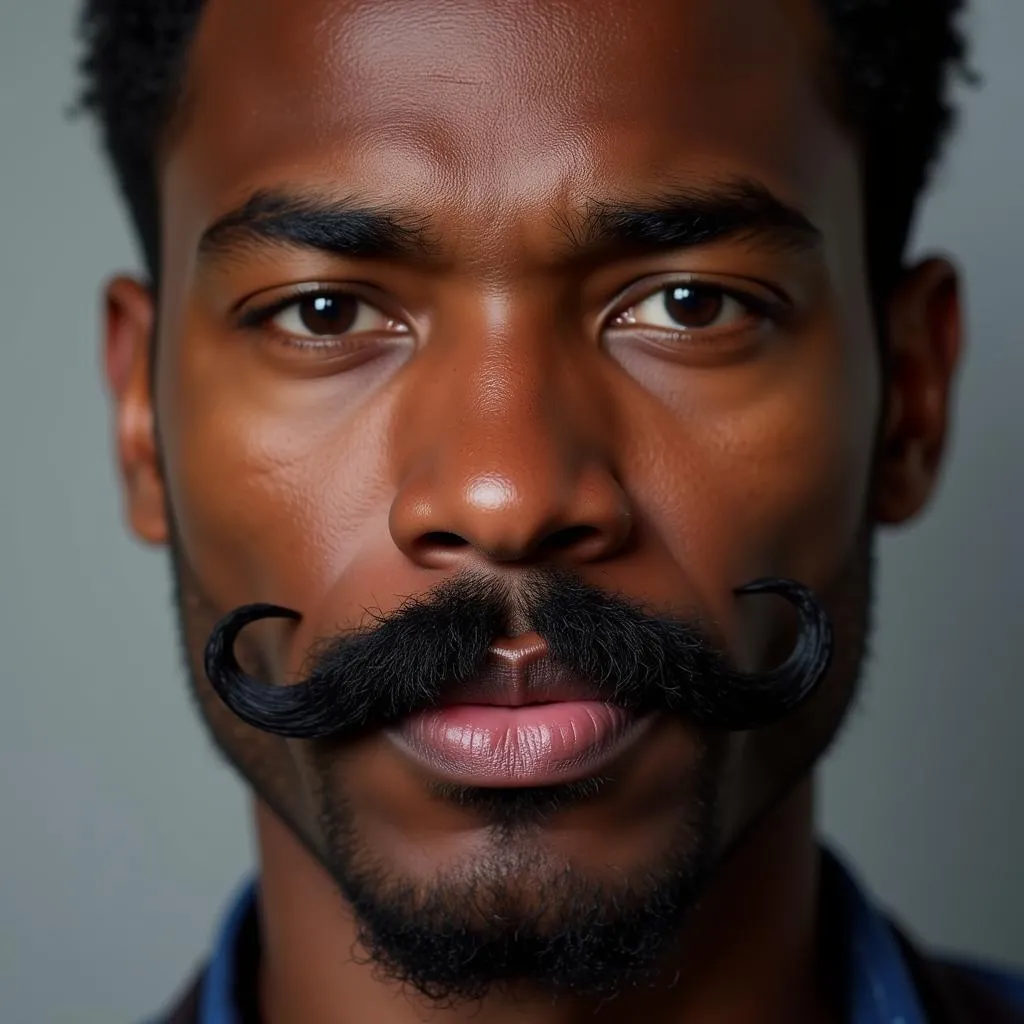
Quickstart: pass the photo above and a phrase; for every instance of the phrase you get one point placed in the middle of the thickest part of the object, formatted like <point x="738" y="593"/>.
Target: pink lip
<point x="531" y="745"/>
<point x="521" y="721"/>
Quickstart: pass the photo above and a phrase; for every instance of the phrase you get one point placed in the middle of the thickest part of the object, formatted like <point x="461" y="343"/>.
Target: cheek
<point x="764" y="472"/>
<point x="273" y="488"/>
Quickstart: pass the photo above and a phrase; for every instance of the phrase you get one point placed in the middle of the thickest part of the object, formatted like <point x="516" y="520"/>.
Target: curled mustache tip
<point x="248" y="698"/>
<point x="727" y="700"/>
<point x="792" y="683"/>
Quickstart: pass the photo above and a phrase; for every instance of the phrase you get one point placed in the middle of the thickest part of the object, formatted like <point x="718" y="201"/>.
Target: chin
<point x="578" y="887"/>
<point x="655" y="797"/>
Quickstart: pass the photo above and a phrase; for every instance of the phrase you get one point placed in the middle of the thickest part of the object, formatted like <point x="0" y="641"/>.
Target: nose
<point x="509" y="464"/>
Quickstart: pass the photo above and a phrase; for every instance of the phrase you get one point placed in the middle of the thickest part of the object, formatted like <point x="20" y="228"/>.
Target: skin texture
<point x="511" y="419"/>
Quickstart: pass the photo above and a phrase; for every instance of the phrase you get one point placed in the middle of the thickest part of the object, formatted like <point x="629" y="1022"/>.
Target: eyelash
<point x="342" y="345"/>
<point x="259" y="315"/>
<point x="757" y="306"/>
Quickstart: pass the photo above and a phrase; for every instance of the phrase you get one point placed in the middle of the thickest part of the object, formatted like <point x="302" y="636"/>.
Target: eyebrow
<point x="336" y="226"/>
<point x="688" y="216"/>
<point x="678" y="218"/>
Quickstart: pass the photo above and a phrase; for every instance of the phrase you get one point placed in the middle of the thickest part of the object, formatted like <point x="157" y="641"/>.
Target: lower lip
<point x="535" y="745"/>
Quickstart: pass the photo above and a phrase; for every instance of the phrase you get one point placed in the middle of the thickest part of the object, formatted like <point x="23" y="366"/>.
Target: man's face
<point x="546" y="360"/>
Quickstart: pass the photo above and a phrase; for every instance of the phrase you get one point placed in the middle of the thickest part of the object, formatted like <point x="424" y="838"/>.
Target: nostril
<point x="438" y="549"/>
<point x="442" y="539"/>
<point x="567" y="538"/>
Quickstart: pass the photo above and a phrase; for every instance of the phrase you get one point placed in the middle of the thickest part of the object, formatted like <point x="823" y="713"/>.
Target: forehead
<point x="494" y="105"/>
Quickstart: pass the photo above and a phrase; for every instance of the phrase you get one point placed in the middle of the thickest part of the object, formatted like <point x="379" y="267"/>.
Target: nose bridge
<point x="516" y="418"/>
<point x="505" y="453"/>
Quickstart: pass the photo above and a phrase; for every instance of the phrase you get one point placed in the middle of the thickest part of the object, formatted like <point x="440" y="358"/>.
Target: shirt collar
<point x="881" y="990"/>
<point x="217" y="999"/>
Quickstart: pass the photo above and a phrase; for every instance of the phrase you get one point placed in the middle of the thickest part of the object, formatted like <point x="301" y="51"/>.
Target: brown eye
<point x="327" y="314"/>
<point x="687" y="307"/>
<point x="331" y="315"/>
<point x="692" y="306"/>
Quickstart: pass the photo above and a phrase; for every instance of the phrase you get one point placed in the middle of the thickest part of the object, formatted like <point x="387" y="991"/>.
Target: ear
<point x="130" y="316"/>
<point x="923" y="350"/>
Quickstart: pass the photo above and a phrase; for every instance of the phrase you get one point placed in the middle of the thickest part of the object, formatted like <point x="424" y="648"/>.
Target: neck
<point x="757" y="922"/>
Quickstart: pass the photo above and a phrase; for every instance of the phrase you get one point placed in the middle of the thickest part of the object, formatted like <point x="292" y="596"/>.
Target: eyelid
<point x="262" y="313"/>
<point x="760" y="296"/>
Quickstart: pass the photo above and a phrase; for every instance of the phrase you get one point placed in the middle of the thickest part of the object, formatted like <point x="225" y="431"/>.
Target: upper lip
<point x="515" y="678"/>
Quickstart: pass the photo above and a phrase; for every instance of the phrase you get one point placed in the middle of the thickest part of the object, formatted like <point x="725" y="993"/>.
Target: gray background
<point x="120" y="833"/>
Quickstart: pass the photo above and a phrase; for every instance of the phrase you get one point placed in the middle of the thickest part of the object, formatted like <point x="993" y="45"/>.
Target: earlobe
<point x="922" y="353"/>
<point x="129" y="319"/>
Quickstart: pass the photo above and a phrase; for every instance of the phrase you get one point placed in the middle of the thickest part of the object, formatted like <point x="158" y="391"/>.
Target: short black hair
<point x="893" y="60"/>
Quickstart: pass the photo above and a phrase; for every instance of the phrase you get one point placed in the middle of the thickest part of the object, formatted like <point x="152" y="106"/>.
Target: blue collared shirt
<point x="881" y="989"/>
